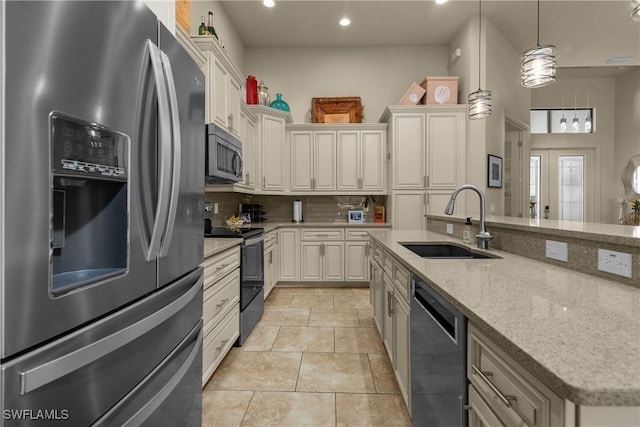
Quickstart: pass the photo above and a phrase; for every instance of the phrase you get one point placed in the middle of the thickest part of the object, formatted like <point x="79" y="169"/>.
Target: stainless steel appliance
<point x="100" y="217"/>
<point x="438" y="359"/>
<point x="223" y="157"/>
<point x="251" y="275"/>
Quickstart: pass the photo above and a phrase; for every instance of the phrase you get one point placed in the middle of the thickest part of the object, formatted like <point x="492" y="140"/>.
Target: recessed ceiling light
<point x="268" y="3"/>
<point x="441" y="1"/>
<point x="345" y="22"/>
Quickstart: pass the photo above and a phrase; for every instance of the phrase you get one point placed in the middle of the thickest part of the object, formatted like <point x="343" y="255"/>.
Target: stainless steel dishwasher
<point x="438" y="359"/>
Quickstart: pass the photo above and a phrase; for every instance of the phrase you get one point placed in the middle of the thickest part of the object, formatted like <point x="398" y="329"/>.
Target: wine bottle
<point x="202" y="29"/>
<point x="212" y="30"/>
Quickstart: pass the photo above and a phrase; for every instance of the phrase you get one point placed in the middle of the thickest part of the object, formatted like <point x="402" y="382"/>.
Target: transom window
<point x="551" y="121"/>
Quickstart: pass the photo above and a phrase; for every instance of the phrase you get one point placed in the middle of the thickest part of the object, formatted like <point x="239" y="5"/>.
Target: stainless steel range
<point x="251" y="275"/>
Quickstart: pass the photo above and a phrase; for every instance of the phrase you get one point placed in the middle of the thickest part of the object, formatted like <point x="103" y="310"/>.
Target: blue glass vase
<point x="279" y="103"/>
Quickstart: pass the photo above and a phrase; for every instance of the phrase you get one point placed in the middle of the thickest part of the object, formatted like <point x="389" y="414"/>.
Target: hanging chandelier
<point x="538" y="63"/>
<point x="563" y="120"/>
<point x="575" y="123"/>
<point x="480" y="100"/>
<point x="587" y="122"/>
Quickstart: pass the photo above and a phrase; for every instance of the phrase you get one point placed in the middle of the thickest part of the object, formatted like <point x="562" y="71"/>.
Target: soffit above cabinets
<point x="586" y="33"/>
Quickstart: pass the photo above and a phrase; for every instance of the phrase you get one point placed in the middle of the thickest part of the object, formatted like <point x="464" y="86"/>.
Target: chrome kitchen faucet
<point x="483" y="236"/>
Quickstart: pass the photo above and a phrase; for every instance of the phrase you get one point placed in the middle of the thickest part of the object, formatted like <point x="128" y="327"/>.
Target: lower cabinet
<point x="271" y="256"/>
<point x="322" y="261"/>
<point x="289" y="254"/>
<point x="504" y="390"/>
<point x="389" y="286"/>
<point x="221" y="308"/>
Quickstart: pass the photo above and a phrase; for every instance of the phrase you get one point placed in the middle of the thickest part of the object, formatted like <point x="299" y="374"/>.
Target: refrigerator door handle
<point x="50" y="371"/>
<point x="177" y="154"/>
<point x="164" y="130"/>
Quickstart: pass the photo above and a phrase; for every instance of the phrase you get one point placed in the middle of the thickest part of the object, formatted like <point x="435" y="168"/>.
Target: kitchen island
<point x="578" y="334"/>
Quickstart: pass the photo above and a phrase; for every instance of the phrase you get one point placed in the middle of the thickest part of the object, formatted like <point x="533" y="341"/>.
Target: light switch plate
<point x="215" y="208"/>
<point x="614" y="262"/>
<point x="557" y="250"/>
<point x="449" y="228"/>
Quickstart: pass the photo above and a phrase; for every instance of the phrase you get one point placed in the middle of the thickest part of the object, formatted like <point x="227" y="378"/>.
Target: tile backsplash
<point x="280" y="208"/>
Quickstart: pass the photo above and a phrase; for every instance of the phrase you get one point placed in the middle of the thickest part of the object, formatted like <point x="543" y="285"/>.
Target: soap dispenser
<point x="466" y="234"/>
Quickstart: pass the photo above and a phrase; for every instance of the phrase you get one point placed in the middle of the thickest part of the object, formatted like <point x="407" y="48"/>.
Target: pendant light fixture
<point x="480" y="100"/>
<point x="563" y="120"/>
<point x="587" y="121"/>
<point x="575" y="125"/>
<point x="538" y="63"/>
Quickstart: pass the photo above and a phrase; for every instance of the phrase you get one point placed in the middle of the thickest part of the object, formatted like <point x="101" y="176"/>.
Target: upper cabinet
<point x="342" y="158"/>
<point x="224" y="87"/>
<point x="165" y="10"/>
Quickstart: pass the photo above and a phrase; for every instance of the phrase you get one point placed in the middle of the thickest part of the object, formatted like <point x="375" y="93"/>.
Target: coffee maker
<point x="255" y="211"/>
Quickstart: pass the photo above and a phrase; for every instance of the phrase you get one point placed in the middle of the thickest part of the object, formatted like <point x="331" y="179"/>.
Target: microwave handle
<point x="237" y="159"/>
<point x="164" y="130"/>
<point x="177" y="155"/>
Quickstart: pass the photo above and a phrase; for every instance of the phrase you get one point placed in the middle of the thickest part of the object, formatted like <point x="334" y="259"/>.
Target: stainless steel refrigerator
<point x="101" y="193"/>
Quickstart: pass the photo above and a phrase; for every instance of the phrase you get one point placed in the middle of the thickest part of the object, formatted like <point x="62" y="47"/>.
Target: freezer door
<point x="61" y="67"/>
<point x="150" y="348"/>
<point x="182" y="245"/>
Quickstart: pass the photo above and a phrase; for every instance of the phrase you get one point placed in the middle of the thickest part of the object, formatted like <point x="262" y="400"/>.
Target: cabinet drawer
<point x="514" y="394"/>
<point x="402" y="280"/>
<point x="216" y="344"/>
<point x="387" y="263"/>
<point x="270" y="239"/>
<point x="480" y="415"/>
<point x="218" y="298"/>
<point x="219" y="265"/>
<point x="376" y="252"/>
<point x="323" y="234"/>
<point x="358" y="234"/>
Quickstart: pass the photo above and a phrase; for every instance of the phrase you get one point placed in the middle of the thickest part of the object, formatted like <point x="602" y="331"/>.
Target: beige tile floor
<point x="314" y="359"/>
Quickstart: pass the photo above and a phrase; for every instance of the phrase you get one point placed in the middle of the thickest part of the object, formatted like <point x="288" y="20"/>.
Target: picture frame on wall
<point x="494" y="171"/>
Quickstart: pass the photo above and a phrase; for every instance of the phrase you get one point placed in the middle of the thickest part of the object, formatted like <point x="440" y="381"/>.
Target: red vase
<point x="252" y="90"/>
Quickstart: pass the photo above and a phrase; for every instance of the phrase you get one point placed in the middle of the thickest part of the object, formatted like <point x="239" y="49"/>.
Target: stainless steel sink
<point x="445" y="250"/>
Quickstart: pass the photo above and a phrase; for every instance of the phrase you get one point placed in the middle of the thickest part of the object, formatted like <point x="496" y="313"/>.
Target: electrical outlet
<point x="449" y="228"/>
<point x="614" y="262"/>
<point x="557" y="250"/>
<point x="215" y="209"/>
<point x="493" y="207"/>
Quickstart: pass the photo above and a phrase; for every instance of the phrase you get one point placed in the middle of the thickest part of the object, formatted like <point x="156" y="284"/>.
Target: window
<point x="549" y="121"/>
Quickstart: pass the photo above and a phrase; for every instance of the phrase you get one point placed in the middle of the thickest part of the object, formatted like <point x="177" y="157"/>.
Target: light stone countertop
<point x="577" y="333"/>
<point x="214" y="245"/>
<point x="270" y="226"/>
<point x="611" y="233"/>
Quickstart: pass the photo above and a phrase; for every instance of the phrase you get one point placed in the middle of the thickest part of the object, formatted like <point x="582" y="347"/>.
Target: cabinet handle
<point x="428" y="183"/>
<point x="359" y="182"/>
<point x="221" y="267"/>
<point x="230" y="119"/>
<point x="313" y="183"/>
<point x="367" y="249"/>
<point x="248" y="179"/>
<point x="424" y="181"/>
<point x="264" y="182"/>
<point x="222" y="343"/>
<point x="223" y="302"/>
<point x="390" y="309"/>
<point x="321" y="249"/>
<point x="271" y="257"/>
<point x="506" y="400"/>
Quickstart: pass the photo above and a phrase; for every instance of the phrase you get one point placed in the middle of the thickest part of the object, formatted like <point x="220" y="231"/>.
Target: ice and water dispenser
<point x="89" y="220"/>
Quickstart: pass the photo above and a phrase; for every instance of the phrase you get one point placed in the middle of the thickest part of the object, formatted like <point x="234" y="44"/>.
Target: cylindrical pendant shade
<point x="575" y="124"/>
<point x="538" y="66"/>
<point x="587" y="124"/>
<point x="563" y="124"/>
<point x="480" y="104"/>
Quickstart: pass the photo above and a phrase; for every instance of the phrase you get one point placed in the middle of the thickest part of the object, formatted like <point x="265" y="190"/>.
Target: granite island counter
<point x="578" y="334"/>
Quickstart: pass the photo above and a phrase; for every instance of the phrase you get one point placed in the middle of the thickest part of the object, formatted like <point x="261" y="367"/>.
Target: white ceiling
<point x="585" y="32"/>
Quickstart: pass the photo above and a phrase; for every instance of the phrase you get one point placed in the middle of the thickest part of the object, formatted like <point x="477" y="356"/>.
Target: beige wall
<point x="378" y="75"/>
<point x="627" y="123"/>
<point x="223" y="27"/>
<point x="602" y="98"/>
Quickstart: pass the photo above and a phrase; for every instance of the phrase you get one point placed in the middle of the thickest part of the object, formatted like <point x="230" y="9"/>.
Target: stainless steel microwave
<point x="223" y="156"/>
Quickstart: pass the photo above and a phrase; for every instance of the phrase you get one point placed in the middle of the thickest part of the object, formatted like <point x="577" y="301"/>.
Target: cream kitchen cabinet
<point x="221" y="308"/>
<point x="271" y="256"/>
<point x="357" y="248"/>
<point x="249" y="158"/>
<point x="270" y="138"/>
<point x="427" y="146"/>
<point x="361" y="160"/>
<point x="289" y="254"/>
<point x="313" y="160"/>
<point x="165" y="10"/>
<point x="322" y="254"/>
<point x="390" y="286"/>
<point x="224" y="88"/>
<point x="508" y="390"/>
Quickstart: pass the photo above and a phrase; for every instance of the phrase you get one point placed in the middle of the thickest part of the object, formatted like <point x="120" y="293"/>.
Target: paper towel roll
<point x="297" y="211"/>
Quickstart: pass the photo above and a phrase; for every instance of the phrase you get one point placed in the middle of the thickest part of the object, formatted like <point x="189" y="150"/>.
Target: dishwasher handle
<point x="440" y="314"/>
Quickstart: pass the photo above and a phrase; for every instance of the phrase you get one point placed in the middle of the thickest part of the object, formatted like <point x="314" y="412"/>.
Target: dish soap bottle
<point x="466" y="233"/>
